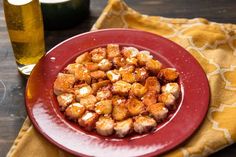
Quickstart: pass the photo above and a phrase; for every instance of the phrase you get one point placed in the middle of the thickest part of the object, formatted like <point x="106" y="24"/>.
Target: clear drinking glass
<point x="25" y="28"/>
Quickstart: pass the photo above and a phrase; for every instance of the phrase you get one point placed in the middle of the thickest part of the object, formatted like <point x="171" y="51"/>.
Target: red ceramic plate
<point x="43" y="109"/>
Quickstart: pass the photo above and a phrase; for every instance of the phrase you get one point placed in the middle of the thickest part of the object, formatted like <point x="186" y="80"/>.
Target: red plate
<point x="43" y="109"/>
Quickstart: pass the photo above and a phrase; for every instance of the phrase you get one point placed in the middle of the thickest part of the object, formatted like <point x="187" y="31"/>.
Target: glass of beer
<point x="25" y="28"/>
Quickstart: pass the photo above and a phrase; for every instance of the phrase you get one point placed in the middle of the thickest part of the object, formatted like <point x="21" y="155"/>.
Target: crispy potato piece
<point x="100" y="84"/>
<point x="143" y="124"/>
<point x="105" y="125"/>
<point x="118" y="100"/>
<point x="138" y="89"/>
<point x="158" y="111"/>
<point x="98" y="54"/>
<point x="128" y="77"/>
<point x="172" y="88"/>
<point x="124" y="127"/>
<point x="130" y="52"/>
<point x="140" y="74"/>
<point x="121" y="88"/>
<point x="99" y="74"/>
<point x="113" y="50"/>
<point x="168" y="75"/>
<point x="132" y="61"/>
<point x="89" y="102"/>
<point x="71" y="68"/>
<point x="113" y="75"/>
<point x="85" y="57"/>
<point x="78" y="85"/>
<point x="103" y="107"/>
<point x="168" y="99"/>
<point x="82" y="74"/>
<point x="135" y="107"/>
<point x="91" y="66"/>
<point x="149" y="98"/>
<point x="65" y="100"/>
<point x="126" y="68"/>
<point x="152" y="84"/>
<point x="119" y="62"/>
<point x="63" y="82"/>
<point x="83" y="92"/>
<point x="105" y="65"/>
<point x="107" y="87"/>
<point x="120" y="112"/>
<point x="88" y="120"/>
<point x="75" y="111"/>
<point x="104" y="94"/>
<point x="143" y="57"/>
<point x="153" y="65"/>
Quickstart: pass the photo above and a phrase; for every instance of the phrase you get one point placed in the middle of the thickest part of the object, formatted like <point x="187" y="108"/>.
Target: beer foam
<point x="53" y="1"/>
<point x="19" y="2"/>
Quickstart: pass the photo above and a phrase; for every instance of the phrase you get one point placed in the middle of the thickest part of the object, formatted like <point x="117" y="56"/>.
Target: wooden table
<point x="12" y="84"/>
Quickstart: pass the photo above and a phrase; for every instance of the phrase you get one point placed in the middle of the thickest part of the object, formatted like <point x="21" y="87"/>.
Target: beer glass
<point x="25" y="28"/>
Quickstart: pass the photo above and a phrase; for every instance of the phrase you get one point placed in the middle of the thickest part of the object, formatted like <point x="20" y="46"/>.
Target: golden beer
<point x="25" y="28"/>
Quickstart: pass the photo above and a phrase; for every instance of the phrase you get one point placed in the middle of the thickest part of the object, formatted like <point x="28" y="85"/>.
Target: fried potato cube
<point x="78" y="85"/>
<point x="124" y="127"/>
<point x="63" y="82"/>
<point x="98" y="54"/>
<point x="143" y="57"/>
<point x="172" y="88"/>
<point x="71" y="68"/>
<point x="100" y="84"/>
<point x="158" y="111"/>
<point x="135" y="107"/>
<point x="113" y="50"/>
<point x="105" y="125"/>
<point x="126" y="68"/>
<point x="105" y="65"/>
<point x="119" y="61"/>
<point x="149" y="98"/>
<point x="113" y="75"/>
<point x="130" y="52"/>
<point x="152" y="84"/>
<point x="132" y="61"/>
<point x="91" y="66"/>
<point x="104" y="94"/>
<point x="118" y="100"/>
<point x="138" y="89"/>
<point x="168" y="99"/>
<point x="88" y="120"/>
<point x="168" y="75"/>
<point x="85" y="57"/>
<point x="107" y="87"/>
<point x="83" y="92"/>
<point x="143" y="124"/>
<point x="65" y="100"/>
<point x="121" y="87"/>
<point x="99" y="74"/>
<point x="140" y="74"/>
<point x="120" y="112"/>
<point x="128" y="77"/>
<point x="153" y="65"/>
<point x="75" y="111"/>
<point x="89" y="102"/>
<point x="103" y="107"/>
<point x="82" y="74"/>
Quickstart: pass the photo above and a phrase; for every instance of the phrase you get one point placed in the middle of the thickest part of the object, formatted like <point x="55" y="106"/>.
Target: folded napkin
<point x="212" y="44"/>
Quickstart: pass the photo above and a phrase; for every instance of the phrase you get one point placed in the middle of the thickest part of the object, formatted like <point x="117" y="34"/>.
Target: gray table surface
<point x="12" y="84"/>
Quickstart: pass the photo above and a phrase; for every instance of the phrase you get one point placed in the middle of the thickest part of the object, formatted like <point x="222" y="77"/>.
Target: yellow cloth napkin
<point x="212" y="44"/>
